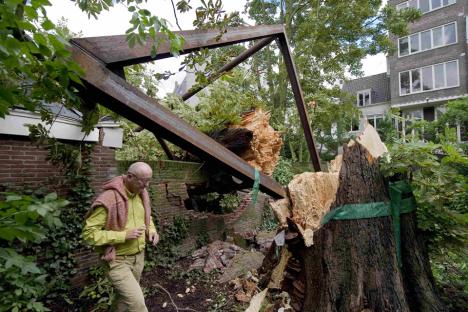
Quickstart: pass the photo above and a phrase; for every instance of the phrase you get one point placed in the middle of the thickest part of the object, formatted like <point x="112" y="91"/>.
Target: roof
<point x="379" y="85"/>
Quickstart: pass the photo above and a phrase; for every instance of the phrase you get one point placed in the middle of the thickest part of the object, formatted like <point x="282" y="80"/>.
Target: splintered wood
<point x="312" y="194"/>
<point x="265" y="146"/>
<point x="311" y="197"/>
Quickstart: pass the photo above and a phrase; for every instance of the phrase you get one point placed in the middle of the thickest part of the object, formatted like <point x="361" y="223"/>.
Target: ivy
<point x="60" y="244"/>
<point x="166" y="252"/>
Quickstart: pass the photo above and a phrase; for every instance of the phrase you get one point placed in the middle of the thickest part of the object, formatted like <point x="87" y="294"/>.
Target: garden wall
<point x="24" y="166"/>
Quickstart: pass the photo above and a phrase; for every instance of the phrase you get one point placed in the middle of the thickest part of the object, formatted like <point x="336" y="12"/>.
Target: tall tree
<point x="329" y="38"/>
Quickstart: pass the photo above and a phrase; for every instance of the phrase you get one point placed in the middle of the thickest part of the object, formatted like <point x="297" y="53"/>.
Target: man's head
<point x="138" y="177"/>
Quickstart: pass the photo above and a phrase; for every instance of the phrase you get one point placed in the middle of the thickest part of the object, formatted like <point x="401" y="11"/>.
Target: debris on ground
<point x="216" y="255"/>
<point x="244" y="262"/>
<point x="263" y="240"/>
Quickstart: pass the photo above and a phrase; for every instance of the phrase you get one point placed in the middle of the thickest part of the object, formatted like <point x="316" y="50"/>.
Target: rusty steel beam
<point x="110" y="90"/>
<point x="227" y="67"/>
<point x="114" y="50"/>
<point x="299" y="99"/>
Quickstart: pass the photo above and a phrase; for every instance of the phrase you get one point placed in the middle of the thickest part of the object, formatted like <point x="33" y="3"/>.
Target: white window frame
<point x="374" y="118"/>
<point x="364" y="92"/>
<point x="466" y="24"/>
<point x="432" y="39"/>
<point x="433" y="78"/>
<point x="405" y="4"/>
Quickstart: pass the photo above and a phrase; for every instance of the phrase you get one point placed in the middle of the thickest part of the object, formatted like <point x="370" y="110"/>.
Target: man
<point x="118" y="224"/>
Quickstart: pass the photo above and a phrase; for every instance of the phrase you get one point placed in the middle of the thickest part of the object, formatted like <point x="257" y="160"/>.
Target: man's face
<point x="138" y="181"/>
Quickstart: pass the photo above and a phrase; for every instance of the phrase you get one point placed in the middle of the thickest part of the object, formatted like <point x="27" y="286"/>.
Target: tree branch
<point x="175" y="14"/>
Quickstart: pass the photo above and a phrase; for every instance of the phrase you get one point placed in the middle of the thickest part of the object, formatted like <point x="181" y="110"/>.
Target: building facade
<point x="428" y="69"/>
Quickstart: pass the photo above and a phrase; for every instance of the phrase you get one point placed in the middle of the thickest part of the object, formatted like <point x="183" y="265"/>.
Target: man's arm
<point x="94" y="233"/>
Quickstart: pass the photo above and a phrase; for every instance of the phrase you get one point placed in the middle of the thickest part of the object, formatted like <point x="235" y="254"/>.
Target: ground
<point x="205" y="293"/>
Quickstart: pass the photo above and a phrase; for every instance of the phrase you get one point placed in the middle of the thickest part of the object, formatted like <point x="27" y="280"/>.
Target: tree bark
<point x="353" y="265"/>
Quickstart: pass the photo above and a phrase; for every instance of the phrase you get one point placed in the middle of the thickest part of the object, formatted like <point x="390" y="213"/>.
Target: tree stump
<point x="352" y="265"/>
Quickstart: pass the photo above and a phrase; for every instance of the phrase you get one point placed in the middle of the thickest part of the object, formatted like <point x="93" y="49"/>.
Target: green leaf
<point x="47" y="25"/>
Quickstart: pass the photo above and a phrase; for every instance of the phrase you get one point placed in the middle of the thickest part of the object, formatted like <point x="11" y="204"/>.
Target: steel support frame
<point x="103" y="58"/>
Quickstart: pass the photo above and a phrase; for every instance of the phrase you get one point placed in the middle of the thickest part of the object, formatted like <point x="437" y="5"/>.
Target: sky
<point x="115" y="22"/>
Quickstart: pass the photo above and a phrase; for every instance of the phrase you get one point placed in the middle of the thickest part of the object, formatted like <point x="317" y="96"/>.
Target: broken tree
<point x="352" y="265"/>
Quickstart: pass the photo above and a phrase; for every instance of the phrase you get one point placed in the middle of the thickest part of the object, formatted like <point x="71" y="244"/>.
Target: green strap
<point x="255" y="187"/>
<point x="395" y="208"/>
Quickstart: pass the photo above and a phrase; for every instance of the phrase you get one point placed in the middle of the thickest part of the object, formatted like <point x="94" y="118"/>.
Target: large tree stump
<point x="352" y="265"/>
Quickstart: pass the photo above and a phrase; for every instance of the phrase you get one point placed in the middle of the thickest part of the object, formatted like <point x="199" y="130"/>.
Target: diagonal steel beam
<point x="299" y="99"/>
<point x="227" y="67"/>
<point x="114" y="50"/>
<point x="112" y="91"/>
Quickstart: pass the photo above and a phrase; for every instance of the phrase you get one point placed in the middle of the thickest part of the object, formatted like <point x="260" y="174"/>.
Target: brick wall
<point x="24" y="165"/>
<point x="168" y="189"/>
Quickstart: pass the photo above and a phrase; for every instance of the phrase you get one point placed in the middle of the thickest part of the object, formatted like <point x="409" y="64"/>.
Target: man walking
<point x="118" y="224"/>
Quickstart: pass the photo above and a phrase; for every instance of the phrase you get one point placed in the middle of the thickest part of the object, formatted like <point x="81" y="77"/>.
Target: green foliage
<point x="269" y="222"/>
<point x="35" y="63"/>
<point x="222" y="106"/>
<point x="166" y="252"/>
<point x="138" y="145"/>
<point x="99" y="290"/>
<point x="332" y="114"/>
<point x="437" y="173"/>
<point x="218" y="203"/>
<point x="386" y="128"/>
<point x="451" y="272"/>
<point x="444" y="128"/>
<point x="25" y="221"/>
<point x="328" y="39"/>
<point x="229" y="203"/>
<point x="283" y="171"/>
<point x="75" y="162"/>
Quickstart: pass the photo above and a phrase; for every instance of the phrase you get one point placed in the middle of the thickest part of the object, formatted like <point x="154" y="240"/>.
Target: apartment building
<point x="428" y="69"/>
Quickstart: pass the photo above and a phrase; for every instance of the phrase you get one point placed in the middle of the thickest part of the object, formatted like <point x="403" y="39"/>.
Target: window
<point x="450" y="34"/>
<point x="437" y="37"/>
<point x="404" y="45"/>
<point x="374" y="120"/>
<point x="425" y="5"/>
<point x="416" y="80"/>
<point x="429" y="39"/>
<point x="451" y="72"/>
<point x="404" y="83"/>
<point x="402" y="5"/>
<point x="414" y="43"/>
<point x="428" y="83"/>
<point x="426" y="41"/>
<point x="436" y="4"/>
<point x="364" y="98"/>
<point x="439" y="76"/>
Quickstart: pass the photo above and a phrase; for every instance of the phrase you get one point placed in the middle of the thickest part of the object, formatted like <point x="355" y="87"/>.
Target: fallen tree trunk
<point x="352" y="265"/>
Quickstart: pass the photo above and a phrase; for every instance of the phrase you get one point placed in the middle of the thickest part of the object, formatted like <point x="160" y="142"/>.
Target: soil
<point x="206" y="293"/>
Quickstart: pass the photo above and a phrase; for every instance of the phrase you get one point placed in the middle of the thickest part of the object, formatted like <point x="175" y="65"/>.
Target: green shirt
<point x="95" y="234"/>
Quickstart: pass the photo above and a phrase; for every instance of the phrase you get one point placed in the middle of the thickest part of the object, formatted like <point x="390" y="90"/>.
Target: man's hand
<point x="154" y="238"/>
<point x="134" y="233"/>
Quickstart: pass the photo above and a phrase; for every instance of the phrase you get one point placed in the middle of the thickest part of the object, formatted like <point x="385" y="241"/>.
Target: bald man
<point x="118" y="225"/>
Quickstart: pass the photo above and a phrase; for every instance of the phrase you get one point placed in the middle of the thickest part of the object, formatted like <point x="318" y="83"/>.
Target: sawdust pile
<point x="266" y="144"/>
